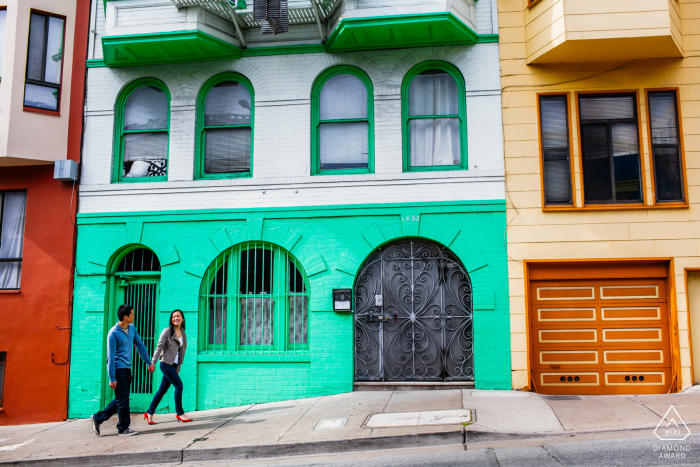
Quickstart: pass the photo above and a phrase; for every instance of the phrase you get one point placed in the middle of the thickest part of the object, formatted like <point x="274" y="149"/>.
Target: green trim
<point x="487" y="38"/>
<point x="165" y="47"/>
<point x="199" y="141"/>
<point x="119" y="131"/>
<point x="284" y="50"/>
<point x="337" y="210"/>
<point x="461" y="92"/>
<point x="270" y="357"/>
<point x="400" y="31"/>
<point x="316" y="119"/>
<point x="95" y="63"/>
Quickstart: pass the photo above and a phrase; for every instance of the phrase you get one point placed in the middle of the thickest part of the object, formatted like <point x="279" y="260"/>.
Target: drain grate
<point x="562" y="398"/>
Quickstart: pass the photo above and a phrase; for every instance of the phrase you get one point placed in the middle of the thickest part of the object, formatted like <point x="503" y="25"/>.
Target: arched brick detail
<point x="103" y="254"/>
<point x="287" y="238"/>
<point x="207" y="70"/>
<point x="356" y="59"/>
<point x="121" y="77"/>
<point x="454" y="55"/>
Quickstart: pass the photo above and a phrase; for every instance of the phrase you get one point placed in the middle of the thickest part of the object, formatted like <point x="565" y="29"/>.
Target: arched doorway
<point x="413" y="315"/>
<point x="136" y="281"/>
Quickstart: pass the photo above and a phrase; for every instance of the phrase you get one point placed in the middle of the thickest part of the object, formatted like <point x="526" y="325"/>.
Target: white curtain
<point x="434" y="141"/>
<point x="12" y="239"/>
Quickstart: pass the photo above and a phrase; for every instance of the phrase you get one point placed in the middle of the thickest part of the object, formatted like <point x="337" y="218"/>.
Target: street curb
<point x="456" y="436"/>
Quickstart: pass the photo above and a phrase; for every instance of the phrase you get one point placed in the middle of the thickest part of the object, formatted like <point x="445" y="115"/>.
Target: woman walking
<point x="171" y="351"/>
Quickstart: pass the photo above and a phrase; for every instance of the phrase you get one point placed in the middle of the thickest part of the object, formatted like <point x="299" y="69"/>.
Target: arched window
<point x="142" y="129"/>
<point x="434" y="118"/>
<point x="342" y="122"/>
<point x="254" y="297"/>
<point x="225" y="128"/>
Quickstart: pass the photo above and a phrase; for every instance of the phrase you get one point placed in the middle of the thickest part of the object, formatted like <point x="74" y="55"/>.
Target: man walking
<point x="120" y="340"/>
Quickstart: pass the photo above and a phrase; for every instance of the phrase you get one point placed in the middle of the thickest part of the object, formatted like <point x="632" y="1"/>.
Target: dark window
<point x="3" y="356"/>
<point x="44" y="62"/>
<point x="12" y="213"/>
<point x="666" y="146"/>
<point x="610" y="149"/>
<point x="554" y="124"/>
<point x="139" y="260"/>
<point x="227" y="129"/>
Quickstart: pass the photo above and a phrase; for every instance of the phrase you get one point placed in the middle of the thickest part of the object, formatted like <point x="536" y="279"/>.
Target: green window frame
<point x="316" y="120"/>
<point x="202" y="128"/>
<point x="406" y="118"/>
<point x="238" y="314"/>
<point x="120" y="133"/>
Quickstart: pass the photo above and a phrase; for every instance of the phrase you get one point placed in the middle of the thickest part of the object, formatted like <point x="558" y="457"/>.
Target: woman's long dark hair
<point x="170" y="322"/>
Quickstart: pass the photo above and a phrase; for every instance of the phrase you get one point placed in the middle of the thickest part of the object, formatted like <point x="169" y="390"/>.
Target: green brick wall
<point x="331" y="243"/>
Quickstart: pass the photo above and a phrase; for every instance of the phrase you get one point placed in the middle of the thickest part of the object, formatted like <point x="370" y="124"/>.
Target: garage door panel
<point x="608" y="336"/>
<point x="567" y="336"/>
<point x="640" y="313"/>
<point x="564" y="293"/>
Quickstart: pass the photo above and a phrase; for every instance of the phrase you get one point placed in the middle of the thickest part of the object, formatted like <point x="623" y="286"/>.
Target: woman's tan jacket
<point x="168" y="347"/>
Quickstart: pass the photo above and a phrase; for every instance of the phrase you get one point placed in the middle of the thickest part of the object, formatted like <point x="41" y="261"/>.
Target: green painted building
<point x="326" y="215"/>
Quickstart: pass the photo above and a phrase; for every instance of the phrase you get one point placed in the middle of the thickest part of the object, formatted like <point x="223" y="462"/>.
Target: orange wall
<point x="35" y="388"/>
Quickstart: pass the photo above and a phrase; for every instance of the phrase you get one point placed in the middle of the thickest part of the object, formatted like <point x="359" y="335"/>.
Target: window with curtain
<point x="666" y="146"/>
<point x="226" y="128"/>
<point x="143" y="132"/>
<point x="434" y="117"/>
<point x="554" y="137"/>
<point x="610" y="149"/>
<point x="44" y="62"/>
<point x="13" y="206"/>
<point x="255" y="298"/>
<point x="342" y="129"/>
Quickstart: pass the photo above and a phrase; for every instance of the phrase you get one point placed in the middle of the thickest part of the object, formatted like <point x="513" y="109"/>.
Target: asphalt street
<point x="647" y="451"/>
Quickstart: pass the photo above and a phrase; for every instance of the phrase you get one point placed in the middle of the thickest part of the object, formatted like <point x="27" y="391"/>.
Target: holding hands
<point x="152" y="367"/>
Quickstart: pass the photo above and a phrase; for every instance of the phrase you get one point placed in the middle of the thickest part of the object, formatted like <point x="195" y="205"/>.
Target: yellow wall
<point x="575" y="234"/>
<point x="592" y="30"/>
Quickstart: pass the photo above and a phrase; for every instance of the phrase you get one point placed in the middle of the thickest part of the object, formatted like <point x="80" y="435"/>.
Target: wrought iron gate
<point x="413" y="315"/>
<point x="142" y="296"/>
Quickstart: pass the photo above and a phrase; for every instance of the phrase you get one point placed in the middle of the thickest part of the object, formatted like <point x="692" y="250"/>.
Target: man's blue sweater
<point x="119" y="347"/>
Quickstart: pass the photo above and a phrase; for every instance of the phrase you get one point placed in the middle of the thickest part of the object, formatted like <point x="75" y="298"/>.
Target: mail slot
<point x="342" y="300"/>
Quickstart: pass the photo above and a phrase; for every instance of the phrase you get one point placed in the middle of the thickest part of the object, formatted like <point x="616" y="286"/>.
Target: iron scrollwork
<point x="413" y="319"/>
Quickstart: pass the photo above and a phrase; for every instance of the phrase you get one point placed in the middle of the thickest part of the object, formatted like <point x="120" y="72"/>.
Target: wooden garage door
<point x="605" y="336"/>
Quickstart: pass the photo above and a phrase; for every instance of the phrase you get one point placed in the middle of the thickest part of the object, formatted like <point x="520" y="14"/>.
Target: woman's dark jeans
<point x="170" y="376"/>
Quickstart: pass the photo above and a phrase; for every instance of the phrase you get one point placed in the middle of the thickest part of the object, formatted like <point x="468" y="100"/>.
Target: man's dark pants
<point x="120" y="404"/>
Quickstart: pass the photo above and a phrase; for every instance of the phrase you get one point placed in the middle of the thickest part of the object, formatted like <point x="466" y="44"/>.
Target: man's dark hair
<point x="124" y="311"/>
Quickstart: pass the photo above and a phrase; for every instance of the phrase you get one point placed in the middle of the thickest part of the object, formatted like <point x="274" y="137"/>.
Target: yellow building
<point x="601" y="112"/>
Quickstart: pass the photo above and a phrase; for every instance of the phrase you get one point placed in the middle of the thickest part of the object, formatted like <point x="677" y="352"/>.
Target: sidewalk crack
<point x="555" y="414"/>
<point x="495" y="456"/>
<point x="182" y="451"/>
<point x="650" y="410"/>
<point x="302" y="416"/>
<point x="546" y="449"/>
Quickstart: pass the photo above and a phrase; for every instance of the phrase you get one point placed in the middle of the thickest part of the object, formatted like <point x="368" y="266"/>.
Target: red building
<point x="43" y="45"/>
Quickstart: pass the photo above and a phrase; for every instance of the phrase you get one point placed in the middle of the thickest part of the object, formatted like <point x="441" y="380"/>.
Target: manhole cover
<point x="331" y="424"/>
<point x="563" y="398"/>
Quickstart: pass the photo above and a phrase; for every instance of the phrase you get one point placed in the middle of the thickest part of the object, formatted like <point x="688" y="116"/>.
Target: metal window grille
<point x="3" y="356"/>
<point x="143" y="297"/>
<point x="139" y="260"/>
<point x="256" y="299"/>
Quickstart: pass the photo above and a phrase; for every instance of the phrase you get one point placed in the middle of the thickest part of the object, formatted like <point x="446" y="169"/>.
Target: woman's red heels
<point x="181" y="419"/>
<point x="145" y="417"/>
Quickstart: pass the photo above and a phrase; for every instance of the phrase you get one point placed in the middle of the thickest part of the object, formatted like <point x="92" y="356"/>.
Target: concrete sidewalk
<point x="288" y="428"/>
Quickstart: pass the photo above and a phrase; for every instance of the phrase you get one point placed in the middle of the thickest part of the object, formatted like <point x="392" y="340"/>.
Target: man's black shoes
<point x="95" y="425"/>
